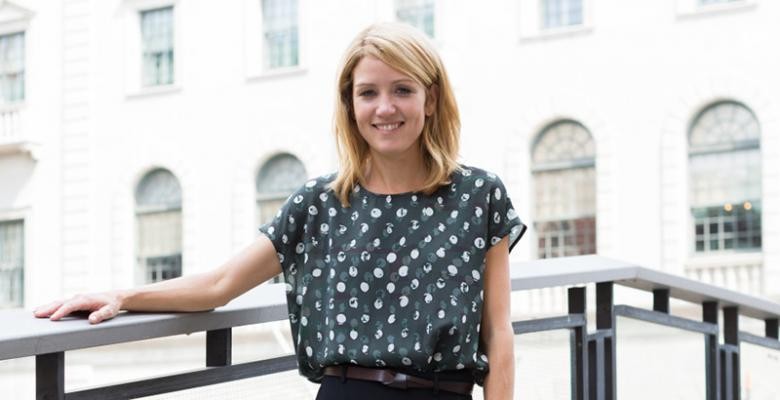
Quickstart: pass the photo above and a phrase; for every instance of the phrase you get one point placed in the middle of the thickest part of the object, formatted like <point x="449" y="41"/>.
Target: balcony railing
<point x="593" y="352"/>
<point x="12" y="135"/>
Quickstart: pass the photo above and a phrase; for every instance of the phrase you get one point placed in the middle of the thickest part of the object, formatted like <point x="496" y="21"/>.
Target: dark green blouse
<point x="393" y="280"/>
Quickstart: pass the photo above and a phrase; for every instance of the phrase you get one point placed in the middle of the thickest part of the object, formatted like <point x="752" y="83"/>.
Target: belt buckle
<point x="399" y="381"/>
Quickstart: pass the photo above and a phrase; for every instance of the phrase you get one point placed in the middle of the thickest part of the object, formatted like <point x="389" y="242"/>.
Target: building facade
<point x="145" y="139"/>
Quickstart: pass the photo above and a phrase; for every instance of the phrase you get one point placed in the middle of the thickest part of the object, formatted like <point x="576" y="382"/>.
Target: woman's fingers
<point x="78" y="303"/>
<point x="47" y="309"/>
<point x="103" y="306"/>
<point x="108" y="311"/>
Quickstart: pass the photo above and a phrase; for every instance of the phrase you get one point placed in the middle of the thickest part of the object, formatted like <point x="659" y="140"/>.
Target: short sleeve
<point x="503" y="220"/>
<point x="286" y="229"/>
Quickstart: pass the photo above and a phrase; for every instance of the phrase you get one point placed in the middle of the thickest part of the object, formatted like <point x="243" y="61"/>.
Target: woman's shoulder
<point x="312" y="189"/>
<point x="320" y="183"/>
<point x="476" y="175"/>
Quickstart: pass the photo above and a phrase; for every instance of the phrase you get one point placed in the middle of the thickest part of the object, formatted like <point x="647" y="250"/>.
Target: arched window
<point x="725" y="178"/>
<point x="277" y="179"/>
<point x="564" y="171"/>
<point x="158" y="226"/>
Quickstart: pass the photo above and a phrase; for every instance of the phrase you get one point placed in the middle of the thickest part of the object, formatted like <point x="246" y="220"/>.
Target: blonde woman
<point x="396" y="266"/>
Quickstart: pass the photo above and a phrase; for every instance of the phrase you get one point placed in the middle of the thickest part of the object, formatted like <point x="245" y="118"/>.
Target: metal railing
<point x="593" y="353"/>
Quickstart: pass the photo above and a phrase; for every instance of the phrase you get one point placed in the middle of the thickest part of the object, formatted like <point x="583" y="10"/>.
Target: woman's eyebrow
<point x="403" y="80"/>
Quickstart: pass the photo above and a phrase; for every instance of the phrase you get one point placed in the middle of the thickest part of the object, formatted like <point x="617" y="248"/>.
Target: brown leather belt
<point x="397" y="379"/>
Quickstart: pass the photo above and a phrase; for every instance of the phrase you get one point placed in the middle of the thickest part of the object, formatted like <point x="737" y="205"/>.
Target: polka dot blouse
<point x="393" y="280"/>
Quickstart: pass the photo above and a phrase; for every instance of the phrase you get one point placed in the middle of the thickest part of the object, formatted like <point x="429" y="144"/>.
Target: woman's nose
<point x="385" y="106"/>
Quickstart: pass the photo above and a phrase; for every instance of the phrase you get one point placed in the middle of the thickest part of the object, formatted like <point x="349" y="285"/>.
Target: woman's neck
<point x="395" y="175"/>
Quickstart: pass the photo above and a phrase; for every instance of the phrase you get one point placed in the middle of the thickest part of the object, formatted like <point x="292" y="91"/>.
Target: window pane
<point x="159" y="244"/>
<point x="559" y="13"/>
<point x="417" y="13"/>
<point x="280" y="32"/>
<point x="566" y="238"/>
<point x="565" y="194"/>
<point x="280" y="176"/>
<point x="11" y="264"/>
<point x="720" y="228"/>
<point x="12" y="68"/>
<point x="157" y="38"/>
<point x="563" y="141"/>
<point x="158" y="189"/>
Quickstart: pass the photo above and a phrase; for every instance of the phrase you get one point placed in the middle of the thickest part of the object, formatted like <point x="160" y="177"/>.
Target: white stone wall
<point x="634" y="75"/>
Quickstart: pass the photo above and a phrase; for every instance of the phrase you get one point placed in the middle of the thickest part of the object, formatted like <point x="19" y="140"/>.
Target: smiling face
<point x="390" y="108"/>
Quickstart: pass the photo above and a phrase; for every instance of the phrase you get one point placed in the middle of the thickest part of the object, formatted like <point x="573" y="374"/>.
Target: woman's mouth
<point x="388" y="127"/>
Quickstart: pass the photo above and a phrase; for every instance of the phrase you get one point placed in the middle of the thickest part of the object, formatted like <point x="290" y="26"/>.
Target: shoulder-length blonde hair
<point x="409" y="51"/>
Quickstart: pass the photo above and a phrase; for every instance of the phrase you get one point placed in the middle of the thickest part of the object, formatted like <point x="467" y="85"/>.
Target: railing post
<point x="605" y="321"/>
<point x="593" y="377"/>
<point x="770" y="328"/>
<point x="219" y="349"/>
<point x="730" y="354"/>
<point x="50" y="376"/>
<point x="661" y="300"/>
<point x="579" y="353"/>
<point x="711" y="358"/>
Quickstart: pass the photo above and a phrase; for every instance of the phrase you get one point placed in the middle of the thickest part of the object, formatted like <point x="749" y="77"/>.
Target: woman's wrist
<point x="124" y="298"/>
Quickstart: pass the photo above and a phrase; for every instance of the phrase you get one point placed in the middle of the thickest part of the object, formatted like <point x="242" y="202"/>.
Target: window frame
<point x="693" y="151"/>
<point x="145" y="74"/>
<point x="17" y="19"/>
<point x="577" y="163"/>
<point x="141" y="211"/>
<point x="134" y="51"/>
<point x="22" y="99"/>
<point x="254" y="44"/>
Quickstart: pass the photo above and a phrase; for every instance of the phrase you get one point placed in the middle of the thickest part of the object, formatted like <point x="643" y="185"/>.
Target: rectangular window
<point x="418" y="13"/>
<point x="728" y="227"/>
<point x="559" y="13"/>
<point x="12" y="68"/>
<point x="11" y="264"/>
<point x="157" y="44"/>
<point x="280" y="33"/>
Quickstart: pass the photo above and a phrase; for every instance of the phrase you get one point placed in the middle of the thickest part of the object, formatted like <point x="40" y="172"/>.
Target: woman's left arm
<point x="496" y="329"/>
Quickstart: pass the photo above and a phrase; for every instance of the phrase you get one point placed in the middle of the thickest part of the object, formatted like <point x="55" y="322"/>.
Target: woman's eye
<point x="366" y="93"/>
<point x="403" y="90"/>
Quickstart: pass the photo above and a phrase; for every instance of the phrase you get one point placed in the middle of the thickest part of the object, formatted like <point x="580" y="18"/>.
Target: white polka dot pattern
<point x="393" y="280"/>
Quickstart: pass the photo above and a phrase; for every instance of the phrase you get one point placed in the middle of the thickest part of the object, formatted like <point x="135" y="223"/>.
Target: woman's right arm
<point x="254" y="265"/>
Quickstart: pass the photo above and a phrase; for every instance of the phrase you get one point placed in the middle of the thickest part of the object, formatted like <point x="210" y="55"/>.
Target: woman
<point x="396" y="267"/>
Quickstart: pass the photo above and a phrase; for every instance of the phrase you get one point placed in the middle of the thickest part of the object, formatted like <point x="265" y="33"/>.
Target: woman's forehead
<point x="373" y="71"/>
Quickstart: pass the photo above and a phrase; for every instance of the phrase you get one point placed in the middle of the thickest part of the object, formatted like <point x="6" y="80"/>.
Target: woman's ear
<point x="431" y="99"/>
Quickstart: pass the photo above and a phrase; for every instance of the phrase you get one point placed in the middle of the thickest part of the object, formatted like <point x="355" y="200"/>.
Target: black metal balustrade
<point x="593" y="354"/>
